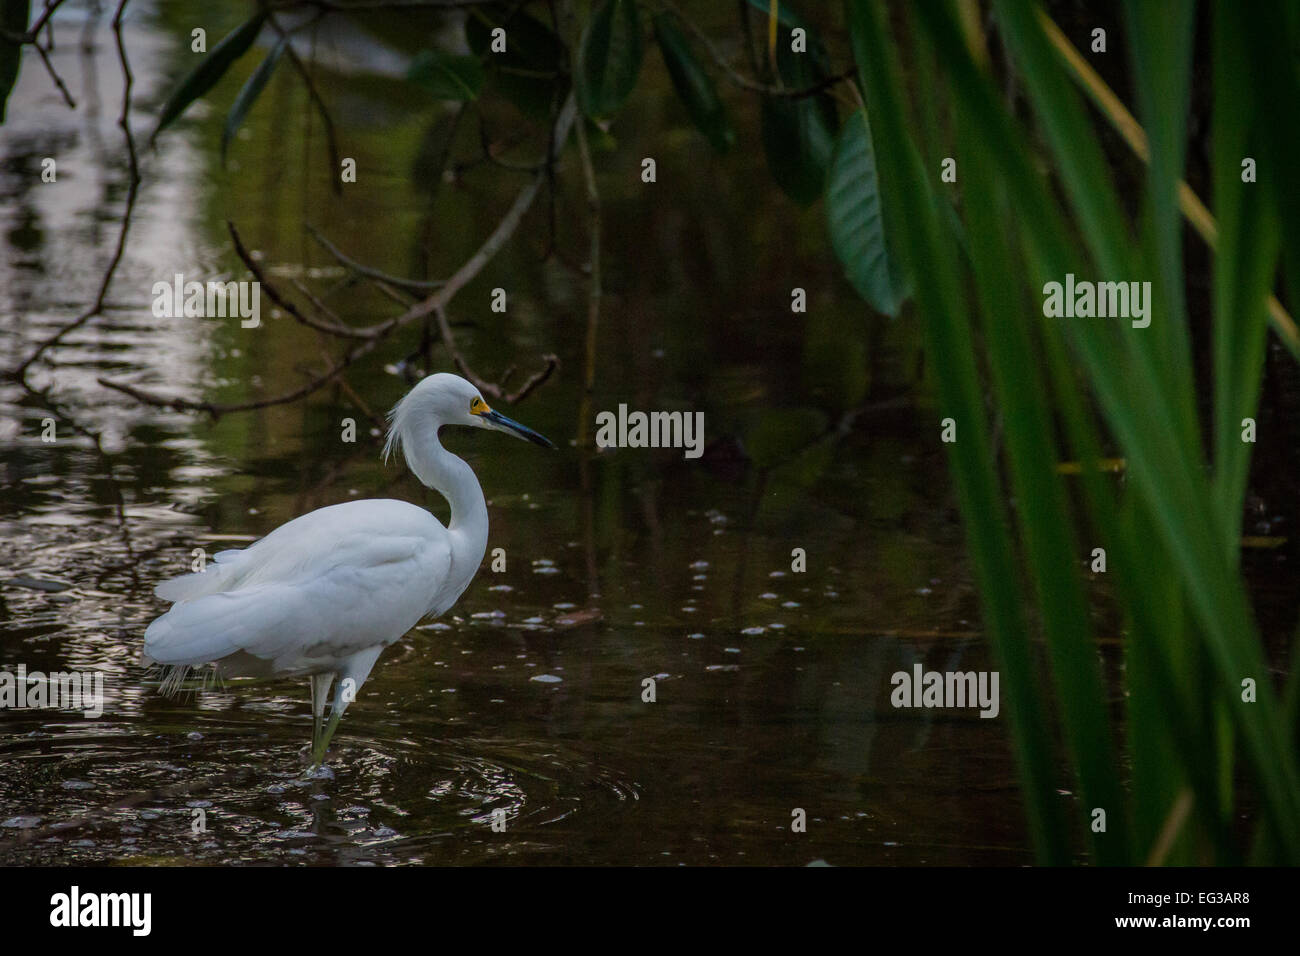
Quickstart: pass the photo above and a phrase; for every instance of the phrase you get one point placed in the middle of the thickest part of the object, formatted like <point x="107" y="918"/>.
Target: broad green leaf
<point x="528" y="73"/>
<point x="855" y="215"/>
<point x="252" y="89"/>
<point x="798" y="138"/>
<point x="1244" y="265"/>
<point x="13" y="17"/>
<point x="609" y="58"/>
<point x="447" y="76"/>
<point x="210" y="69"/>
<point x="530" y="44"/>
<point x="799" y="133"/>
<point x="694" y="86"/>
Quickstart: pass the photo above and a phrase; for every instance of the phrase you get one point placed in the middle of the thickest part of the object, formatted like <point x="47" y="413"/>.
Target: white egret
<point x="322" y="596"/>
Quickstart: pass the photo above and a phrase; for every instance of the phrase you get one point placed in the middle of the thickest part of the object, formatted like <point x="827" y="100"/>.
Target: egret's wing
<point x="323" y="586"/>
<point x="304" y="547"/>
<point x="217" y="577"/>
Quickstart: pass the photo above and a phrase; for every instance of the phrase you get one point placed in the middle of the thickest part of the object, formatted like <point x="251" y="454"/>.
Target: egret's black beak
<point x="510" y="425"/>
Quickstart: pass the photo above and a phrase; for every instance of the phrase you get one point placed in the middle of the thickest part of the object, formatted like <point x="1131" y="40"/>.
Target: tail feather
<point x="173" y="677"/>
<point x="219" y="576"/>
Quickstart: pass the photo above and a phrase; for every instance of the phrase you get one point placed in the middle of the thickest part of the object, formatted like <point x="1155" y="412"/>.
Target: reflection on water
<point x="772" y="685"/>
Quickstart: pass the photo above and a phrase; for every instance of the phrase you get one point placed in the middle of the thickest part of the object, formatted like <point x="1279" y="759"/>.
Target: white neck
<point x="451" y="477"/>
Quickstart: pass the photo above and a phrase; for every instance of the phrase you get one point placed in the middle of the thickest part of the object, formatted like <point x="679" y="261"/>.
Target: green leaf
<point x="252" y="89"/>
<point x="855" y="215"/>
<point x="447" y="76"/>
<point x="528" y="73"/>
<point x="1244" y="265"/>
<point x="798" y="138"/>
<point x="13" y="17"/>
<point x="799" y="134"/>
<point x="210" y="69"/>
<point x="530" y="44"/>
<point x="694" y="86"/>
<point x="609" y="58"/>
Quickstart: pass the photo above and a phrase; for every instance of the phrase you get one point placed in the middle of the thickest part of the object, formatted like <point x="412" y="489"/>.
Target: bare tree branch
<point x="370" y="336"/>
<point x="276" y="296"/>
<point x="217" y="409"/>
<point x="54" y="75"/>
<point x="416" y="285"/>
<point x="482" y="384"/>
<point x="33" y="32"/>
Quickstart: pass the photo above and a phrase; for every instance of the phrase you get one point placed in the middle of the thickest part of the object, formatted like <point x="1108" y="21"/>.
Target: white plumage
<point x="324" y="594"/>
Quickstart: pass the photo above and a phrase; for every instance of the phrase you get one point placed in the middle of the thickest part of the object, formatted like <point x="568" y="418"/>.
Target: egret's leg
<point x="320" y="688"/>
<point x="318" y="754"/>
<point x="352" y="675"/>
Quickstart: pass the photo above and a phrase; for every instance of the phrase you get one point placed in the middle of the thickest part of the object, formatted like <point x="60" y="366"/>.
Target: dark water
<point x="772" y="685"/>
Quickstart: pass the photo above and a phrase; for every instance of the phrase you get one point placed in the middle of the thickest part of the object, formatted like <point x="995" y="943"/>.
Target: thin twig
<point x="496" y="391"/>
<point x="504" y="230"/>
<point x="33" y="32"/>
<point x="218" y="409"/>
<point x="54" y="75"/>
<point x="133" y="188"/>
<point x="370" y="272"/>
<point x="370" y="336"/>
<point x="277" y="297"/>
<point x="336" y="182"/>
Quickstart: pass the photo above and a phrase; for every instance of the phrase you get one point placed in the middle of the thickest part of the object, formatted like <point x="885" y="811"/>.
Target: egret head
<point x="447" y="399"/>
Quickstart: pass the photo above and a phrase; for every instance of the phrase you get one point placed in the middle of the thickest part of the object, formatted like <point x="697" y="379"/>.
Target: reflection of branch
<point x="217" y="409"/>
<point x="133" y="187"/>
<point x="594" y="291"/>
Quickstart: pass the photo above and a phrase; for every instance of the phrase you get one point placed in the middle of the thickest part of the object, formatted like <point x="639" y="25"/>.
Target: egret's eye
<point x="478" y="406"/>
